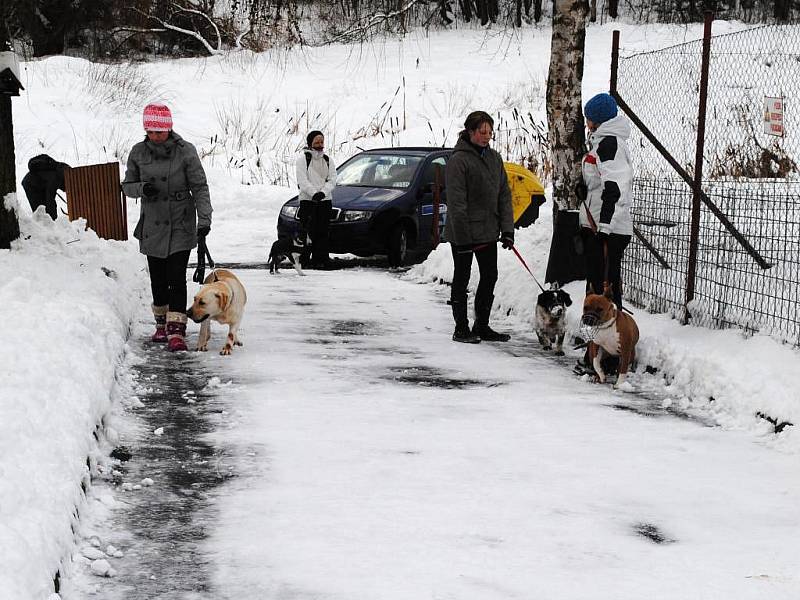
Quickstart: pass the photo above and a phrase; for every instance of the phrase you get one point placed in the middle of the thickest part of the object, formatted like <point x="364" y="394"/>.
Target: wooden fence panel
<point x="94" y="193"/>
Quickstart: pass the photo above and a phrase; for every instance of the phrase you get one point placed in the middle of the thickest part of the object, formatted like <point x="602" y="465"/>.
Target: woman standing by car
<point x="165" y="171"/>
<point x="479" y="212"/>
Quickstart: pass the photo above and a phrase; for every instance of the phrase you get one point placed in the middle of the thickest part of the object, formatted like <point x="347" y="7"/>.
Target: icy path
<point x="374" y="459"/>
<point x="380" y="460"/>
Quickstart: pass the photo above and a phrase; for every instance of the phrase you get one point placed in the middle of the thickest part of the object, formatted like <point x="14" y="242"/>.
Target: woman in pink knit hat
<point x="164" y="170"/>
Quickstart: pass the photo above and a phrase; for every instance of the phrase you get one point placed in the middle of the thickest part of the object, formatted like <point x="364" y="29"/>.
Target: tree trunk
<point x="466" y="10"/>
<point x="9" y="226"/>
<point x="537" y="10"/>
<point x="612" y="8"/>
<point x="781" y="10"/>
<point x="593" y="11"/>
<point x="566" y="134"/>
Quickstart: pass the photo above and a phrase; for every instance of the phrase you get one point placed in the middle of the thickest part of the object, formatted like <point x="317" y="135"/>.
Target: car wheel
<point x="398" y="246"/>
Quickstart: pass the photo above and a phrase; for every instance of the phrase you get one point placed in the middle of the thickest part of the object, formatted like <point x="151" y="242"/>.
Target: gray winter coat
<point x="169" y="220"/>
<point x="478" y="197"/>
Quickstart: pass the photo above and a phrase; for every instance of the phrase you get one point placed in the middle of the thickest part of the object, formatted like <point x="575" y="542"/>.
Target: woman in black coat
<point x="479" y="212"/>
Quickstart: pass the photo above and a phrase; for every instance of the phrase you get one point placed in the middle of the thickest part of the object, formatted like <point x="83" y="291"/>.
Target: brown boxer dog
<point x="616" y="333"/>
<point x="222" y="298"/>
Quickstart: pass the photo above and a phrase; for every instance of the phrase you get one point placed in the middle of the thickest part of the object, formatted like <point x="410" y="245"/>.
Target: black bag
<point x="565" y="262"/>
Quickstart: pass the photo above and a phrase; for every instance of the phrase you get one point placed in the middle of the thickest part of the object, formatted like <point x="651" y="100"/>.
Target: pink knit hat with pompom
<point x="156" y="117"/>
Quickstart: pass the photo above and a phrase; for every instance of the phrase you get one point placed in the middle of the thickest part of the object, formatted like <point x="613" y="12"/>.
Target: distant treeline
<point x="112" y="29"/>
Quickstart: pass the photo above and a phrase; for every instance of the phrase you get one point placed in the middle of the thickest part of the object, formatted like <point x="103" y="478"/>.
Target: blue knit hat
<point x="600" y="108"/>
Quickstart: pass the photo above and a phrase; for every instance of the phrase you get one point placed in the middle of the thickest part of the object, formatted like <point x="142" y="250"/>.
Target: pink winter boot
<point x="160" y="315"/>
<point x="176" y="331"/>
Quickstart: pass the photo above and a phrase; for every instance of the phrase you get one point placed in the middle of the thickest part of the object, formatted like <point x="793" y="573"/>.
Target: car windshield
<point x="379" y="170"/>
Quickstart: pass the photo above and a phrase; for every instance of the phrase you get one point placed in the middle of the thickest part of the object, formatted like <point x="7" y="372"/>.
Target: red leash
<point x="524" y="264"/>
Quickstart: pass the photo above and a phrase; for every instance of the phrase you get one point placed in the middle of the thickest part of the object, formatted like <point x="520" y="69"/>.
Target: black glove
<point x="507" y="240"/>
<point x="148" y="189"/>
<point x="581" y="191"/>
<point x="318" y="196"/>
<point x="203" y="231"/>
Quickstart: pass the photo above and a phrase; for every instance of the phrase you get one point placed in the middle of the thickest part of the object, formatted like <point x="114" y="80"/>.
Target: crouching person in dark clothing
<point x="479" y="212"/>
<point x="164" y="170"/>
<point x="45" y="176"/>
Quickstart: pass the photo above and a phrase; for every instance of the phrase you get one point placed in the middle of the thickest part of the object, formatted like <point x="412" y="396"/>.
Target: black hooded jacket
<point x="45" y="176"/>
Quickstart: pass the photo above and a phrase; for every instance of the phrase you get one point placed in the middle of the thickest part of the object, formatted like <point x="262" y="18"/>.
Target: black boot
<point x="481" y="327"/>
<point x="462" y="332"/>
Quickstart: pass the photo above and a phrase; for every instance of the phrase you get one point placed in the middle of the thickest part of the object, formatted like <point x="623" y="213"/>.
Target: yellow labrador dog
<point x="222" y="298"/>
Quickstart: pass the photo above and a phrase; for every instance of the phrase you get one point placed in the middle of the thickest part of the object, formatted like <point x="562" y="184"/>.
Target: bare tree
<point x="566" y="133"/>
<point x="537" y="10"/>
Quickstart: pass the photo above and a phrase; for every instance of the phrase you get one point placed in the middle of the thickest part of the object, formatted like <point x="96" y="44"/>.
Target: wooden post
<point x="9" y="224"/>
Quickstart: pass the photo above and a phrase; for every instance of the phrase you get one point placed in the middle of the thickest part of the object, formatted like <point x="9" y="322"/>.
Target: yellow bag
<point x="527" y="194"/>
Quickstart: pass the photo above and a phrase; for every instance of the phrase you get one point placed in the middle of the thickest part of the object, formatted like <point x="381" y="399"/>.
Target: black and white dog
<point x="289" y="248"/>
<point x="550" y="323"/>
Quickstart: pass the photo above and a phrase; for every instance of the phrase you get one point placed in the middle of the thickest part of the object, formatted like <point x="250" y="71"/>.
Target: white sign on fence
<point x="773" y="116"/>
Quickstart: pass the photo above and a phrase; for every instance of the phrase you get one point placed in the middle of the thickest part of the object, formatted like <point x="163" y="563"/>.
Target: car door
<point x="428" y="199"/>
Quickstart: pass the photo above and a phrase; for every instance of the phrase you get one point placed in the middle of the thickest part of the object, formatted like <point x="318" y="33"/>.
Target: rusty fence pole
<point x="614" y="62"/>
<point x="437" y="186"/>
<point x="694" y="232"/>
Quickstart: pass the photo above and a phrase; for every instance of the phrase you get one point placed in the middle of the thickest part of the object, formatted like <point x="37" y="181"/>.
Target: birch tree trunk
<point x="566" y="135"/>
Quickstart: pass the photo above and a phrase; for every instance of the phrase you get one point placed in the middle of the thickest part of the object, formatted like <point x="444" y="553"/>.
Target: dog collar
<point x="610" y="322"/>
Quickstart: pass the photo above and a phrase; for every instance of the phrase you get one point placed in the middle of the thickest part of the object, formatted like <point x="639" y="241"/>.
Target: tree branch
<point x="376" y="19"/>
<point x="168" y="26"/>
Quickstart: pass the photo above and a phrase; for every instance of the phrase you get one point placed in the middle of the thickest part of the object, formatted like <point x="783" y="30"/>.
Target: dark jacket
<point x="169" y="219"/>
<point x="45" y="176"/>
<point x="478" y="197"/>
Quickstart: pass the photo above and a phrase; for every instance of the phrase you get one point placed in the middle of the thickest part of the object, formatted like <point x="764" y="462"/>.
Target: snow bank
<point x="68" y="299"/>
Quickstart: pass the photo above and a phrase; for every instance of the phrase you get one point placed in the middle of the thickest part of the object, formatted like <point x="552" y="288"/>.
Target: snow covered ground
<point x="74" y="300"/>
<point x="374" y="459"/>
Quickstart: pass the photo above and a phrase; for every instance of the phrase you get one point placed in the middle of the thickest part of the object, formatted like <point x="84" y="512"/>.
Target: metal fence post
<point x="614" y="62"/>
<point x="694" y="235"/>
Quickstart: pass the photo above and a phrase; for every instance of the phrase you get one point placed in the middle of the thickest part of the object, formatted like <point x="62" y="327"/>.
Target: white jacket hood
<point x="619" y="127"/>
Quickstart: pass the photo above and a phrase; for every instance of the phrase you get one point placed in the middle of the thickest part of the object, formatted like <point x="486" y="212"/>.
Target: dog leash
<point x="202" y="253"/>
<point x="524" y="264"/>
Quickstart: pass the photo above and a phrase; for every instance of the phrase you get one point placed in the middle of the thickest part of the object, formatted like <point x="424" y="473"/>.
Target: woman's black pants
<point x="168" y="280"/>
<point x="595" y="258"/>
<point x="486" y="255"/>
<point x="315" y="220"/>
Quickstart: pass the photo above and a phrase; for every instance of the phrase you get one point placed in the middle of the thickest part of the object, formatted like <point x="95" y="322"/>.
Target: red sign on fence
<point x="773" y="116"/>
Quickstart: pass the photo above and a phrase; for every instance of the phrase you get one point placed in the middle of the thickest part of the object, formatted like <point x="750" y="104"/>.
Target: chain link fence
<point x="750" y="175"/>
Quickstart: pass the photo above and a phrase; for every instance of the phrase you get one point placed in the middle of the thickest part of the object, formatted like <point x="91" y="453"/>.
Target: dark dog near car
<point x="290" y="248"/>
<point x="551" y="310"/>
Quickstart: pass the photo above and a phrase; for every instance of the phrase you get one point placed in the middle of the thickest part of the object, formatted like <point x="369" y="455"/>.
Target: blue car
<point x="384" y="203"/>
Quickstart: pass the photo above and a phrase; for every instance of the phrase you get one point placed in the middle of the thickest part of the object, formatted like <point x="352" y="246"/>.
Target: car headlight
<point x="357" y="215"/>
<point x="290" y="212"/>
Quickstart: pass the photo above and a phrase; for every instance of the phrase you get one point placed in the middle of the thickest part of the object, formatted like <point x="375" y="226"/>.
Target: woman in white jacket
<point x="316" y="178"/>
<point x="605" y="214"/>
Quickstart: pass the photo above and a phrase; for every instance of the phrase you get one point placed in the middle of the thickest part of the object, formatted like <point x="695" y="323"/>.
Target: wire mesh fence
<point x="750" y="167"/>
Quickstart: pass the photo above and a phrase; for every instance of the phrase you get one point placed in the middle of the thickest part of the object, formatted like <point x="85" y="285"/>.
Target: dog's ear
<point x="590" y="288"/>
<point x="222" y="300"/>
<point x="608" y="292"/>
<point x="564" y="296"/>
